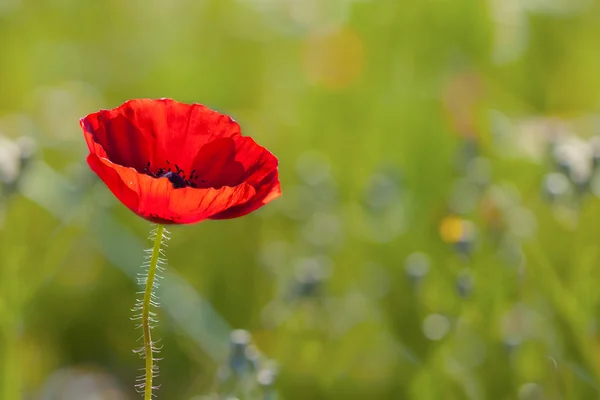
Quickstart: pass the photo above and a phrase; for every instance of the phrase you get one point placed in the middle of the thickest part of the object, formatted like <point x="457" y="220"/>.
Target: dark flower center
<point x="178" y="178"/>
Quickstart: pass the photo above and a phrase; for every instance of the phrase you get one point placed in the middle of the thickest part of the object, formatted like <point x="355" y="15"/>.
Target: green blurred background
<point x="438" y="232"/>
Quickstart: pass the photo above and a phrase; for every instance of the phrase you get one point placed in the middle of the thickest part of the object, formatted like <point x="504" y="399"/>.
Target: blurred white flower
<point x="10" y="165"/>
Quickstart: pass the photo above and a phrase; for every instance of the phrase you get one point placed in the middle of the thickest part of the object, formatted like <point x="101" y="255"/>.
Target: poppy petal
<point x="115" y="181"/>
<point x="258" y="162"/>
<point x="260" y="171"/>
<point x="267" y="190"/>
<point x="145" y="130"/>
<point x="116" y="138"/>
<point x="158" y="201"/>
<point x="216" y="164"/>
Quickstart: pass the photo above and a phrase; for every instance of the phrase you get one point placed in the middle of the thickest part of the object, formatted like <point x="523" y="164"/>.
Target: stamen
<point x="177" y="178"/>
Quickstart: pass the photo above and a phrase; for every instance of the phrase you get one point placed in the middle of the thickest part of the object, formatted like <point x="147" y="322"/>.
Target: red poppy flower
<point x="176" y="163"/>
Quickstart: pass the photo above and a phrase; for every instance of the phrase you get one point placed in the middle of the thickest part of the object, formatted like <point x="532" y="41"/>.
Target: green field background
<point x="438" y="234"/>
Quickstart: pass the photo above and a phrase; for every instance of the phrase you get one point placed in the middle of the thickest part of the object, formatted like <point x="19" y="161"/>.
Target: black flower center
<point x="177" y="177"/>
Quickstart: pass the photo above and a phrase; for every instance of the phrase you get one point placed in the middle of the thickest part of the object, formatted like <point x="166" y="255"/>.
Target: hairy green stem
<point x="146" y="319"/>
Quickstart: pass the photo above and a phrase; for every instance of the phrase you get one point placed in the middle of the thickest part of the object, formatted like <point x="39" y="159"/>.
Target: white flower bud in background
<point x="27" y="147"/>
<point x="575" y="157"/>
<point x="10" y="160"/>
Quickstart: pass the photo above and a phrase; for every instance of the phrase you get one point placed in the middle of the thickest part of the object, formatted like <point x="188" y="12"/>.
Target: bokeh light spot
<point x="436" y="326"/>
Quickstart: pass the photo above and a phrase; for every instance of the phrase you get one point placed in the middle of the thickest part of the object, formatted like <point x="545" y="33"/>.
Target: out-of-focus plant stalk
<point x="9" y="323"/>
<point x="10" y="359"/>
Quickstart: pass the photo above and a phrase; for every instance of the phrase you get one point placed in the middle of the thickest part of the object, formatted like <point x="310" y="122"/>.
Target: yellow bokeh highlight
<point x="452" y="229"/>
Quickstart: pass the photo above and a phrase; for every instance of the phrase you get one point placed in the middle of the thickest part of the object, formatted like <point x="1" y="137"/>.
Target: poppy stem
<point x="147" y="316"/>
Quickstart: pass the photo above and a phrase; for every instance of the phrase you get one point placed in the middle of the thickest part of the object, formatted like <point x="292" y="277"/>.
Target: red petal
<point x="115" y="180"/>
<point x="156" y="199"/>
<point x="145" y="130"/>
<point x="260" y="171"/>
<point x="266" y="191"/>
<point x="117" y="139"/>
<point x="216" y="164"/>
